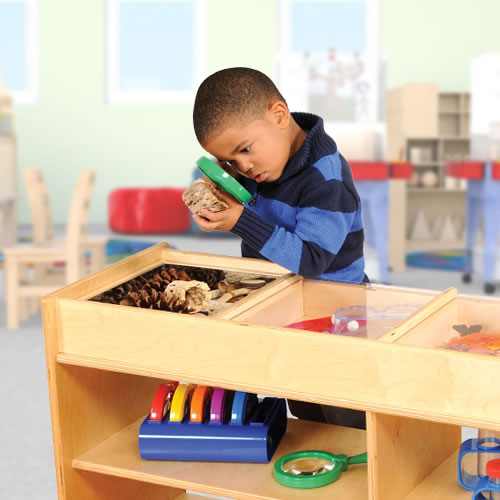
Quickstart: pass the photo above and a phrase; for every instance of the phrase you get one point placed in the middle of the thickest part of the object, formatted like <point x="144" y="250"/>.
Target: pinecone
<point x="149" y="289"/>
<point x="210" y="276"/>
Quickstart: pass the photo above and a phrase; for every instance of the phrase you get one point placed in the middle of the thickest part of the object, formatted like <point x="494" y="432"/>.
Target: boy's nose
<point x="245" y="167"/>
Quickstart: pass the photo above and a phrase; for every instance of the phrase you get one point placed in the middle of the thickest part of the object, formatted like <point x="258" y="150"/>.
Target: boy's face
<point x="258" y="149"/>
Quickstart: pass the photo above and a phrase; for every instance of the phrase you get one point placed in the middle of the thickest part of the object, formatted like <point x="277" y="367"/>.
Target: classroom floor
<point x="26" y="461"/>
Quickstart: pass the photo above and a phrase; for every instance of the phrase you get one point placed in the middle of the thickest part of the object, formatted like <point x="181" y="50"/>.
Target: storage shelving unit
<point x="8" y="188"/>
<point x="105" y="361"/>
<point x="8" y="163"/>
<point x="429" y="128"/>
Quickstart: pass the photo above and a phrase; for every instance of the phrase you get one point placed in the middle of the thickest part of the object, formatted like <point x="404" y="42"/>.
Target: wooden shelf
<point x="190" y="496"/>
<point x="105" y="363"/>
<point x="430" y="163"/>
<point x="439" y="191"/>
<point x="435" y="245"/>
<point x="436" y="123"/>
<point x="442" y="484"/>
<point x="119" y="456"/>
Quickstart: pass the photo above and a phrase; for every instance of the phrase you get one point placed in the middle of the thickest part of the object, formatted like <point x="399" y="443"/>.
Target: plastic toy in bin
<point x="472" y="339"/>
<point x="474" y="456"/>
<point x="189" y="422"/>
<point x="488" y="487"/>
<point x="359" y="320"/>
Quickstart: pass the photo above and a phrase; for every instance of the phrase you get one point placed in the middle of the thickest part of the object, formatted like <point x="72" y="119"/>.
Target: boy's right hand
<point x="224" y="220"/>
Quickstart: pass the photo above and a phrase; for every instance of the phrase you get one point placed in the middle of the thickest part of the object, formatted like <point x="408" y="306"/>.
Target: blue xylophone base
<point x="255" y="440"/>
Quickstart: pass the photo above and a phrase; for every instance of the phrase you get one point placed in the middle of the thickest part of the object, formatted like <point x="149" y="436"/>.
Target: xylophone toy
<point x="189" y="422"/>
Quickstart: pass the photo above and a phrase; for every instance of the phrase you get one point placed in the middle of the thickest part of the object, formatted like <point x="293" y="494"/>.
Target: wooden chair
<point x="39" y="200"/>
<point x="22" y="285"/>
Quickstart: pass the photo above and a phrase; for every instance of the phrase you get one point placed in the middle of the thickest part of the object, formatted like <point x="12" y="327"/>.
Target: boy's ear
<point x="280" y="113"/>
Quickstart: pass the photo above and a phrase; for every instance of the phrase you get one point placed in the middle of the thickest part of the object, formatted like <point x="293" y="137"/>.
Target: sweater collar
<point x="312" y="146"/>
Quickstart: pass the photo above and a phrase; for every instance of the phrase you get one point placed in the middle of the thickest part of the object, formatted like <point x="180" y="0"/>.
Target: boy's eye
<point x="246" y="150"/>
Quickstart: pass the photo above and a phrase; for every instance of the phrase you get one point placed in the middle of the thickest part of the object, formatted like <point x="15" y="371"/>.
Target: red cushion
<point x="466" y="169"/>
<point x="379" y="170"/>
<point x="401" y="170"/>
<point x="148" y="210"/>
<point x="369" y="170"/>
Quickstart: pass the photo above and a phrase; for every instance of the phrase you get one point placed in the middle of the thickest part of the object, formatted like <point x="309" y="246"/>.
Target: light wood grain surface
<point x="119" y="455"/>
<point x="104" y="362"/>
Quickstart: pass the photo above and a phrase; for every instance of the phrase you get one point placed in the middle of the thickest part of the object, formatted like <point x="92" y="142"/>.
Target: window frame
<point x="372" y="32"/>
<point x="31" y="92"/>
<point x="116" y="95"/>
<point x="372" y="35"/>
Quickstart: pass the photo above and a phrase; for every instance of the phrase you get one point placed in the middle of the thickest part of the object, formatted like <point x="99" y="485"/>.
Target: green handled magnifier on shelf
<point x="313" y="468"/>
<point x="225" y="182"/>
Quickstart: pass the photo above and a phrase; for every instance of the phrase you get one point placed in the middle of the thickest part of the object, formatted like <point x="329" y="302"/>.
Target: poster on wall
<point x="328" y="61"/>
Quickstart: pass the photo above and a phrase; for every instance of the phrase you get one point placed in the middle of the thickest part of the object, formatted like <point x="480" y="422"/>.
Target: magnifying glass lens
<point x="307" y="466"/>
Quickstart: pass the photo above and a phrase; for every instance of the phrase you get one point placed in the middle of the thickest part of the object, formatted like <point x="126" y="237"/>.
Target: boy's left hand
<point x="224" y="220"/>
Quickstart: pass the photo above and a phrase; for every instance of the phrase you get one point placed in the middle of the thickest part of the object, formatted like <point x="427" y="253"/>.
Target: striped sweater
<point x="309" y="220"/>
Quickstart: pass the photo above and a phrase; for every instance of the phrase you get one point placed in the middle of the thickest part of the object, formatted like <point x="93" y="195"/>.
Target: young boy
<point x="305" y="213"/>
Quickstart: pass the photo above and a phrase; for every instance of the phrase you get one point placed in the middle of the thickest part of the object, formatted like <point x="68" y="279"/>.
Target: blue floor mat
<point x="119" y="249"/>
<point x="450" y="260"/>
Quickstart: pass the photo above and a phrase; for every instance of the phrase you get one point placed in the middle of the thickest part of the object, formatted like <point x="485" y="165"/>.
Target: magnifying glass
<point x="225" y="182"/>
<point x="313" y="468"/>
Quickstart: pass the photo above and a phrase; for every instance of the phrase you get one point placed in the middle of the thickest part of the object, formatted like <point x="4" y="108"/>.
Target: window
<point x="19" y="49"/>
<point x="155" y="50"/>
<point x="328" y="59"/>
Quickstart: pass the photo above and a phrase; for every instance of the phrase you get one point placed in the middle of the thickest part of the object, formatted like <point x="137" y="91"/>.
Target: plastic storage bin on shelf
<point x="372" y="182"/>
<point x="483" y="199"/>
<point x="489" y="485"/>
<point x="474" y="456"/>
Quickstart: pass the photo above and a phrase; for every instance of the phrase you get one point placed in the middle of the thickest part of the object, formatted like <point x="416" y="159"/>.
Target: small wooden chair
<point x="41" y="215"/>
<point x="46" y="250"/>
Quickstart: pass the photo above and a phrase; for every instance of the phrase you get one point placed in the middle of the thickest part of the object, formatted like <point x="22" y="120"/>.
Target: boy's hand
<point x="224" y="220"/>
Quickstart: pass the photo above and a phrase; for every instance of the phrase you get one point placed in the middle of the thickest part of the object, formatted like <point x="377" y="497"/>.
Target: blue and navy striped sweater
<point x="309" y="220"/>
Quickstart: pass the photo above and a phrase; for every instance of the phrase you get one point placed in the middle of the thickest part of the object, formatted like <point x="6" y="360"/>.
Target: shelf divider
<point x="402" y="452"/>
<point x="442" y="483"/>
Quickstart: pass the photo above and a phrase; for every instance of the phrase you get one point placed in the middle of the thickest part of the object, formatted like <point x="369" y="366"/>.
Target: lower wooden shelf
<point x="190" y="496"/>
<point x="119" y="456"/>
<point x="442" y="484"/>
<point x="430" y="245"/>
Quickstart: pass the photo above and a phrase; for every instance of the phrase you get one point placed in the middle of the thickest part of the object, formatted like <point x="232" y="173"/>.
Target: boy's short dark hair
<point x="241" y="93"/>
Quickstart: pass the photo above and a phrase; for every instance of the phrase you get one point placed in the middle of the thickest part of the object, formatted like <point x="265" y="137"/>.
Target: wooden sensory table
<point x="105" y="361"/>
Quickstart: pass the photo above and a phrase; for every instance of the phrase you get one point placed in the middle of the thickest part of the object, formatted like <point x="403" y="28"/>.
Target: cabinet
<point x="8" y="190"/>
<point x="105" y="361"/>
<point x="430" y="128"/>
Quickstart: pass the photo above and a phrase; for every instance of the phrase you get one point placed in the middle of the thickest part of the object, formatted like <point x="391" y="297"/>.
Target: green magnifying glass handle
<point x="345" y="461"/>
<point x="358" y="459"/>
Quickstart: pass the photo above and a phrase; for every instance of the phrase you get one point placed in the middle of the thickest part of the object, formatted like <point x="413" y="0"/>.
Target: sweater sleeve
<point x="324" y="221"/>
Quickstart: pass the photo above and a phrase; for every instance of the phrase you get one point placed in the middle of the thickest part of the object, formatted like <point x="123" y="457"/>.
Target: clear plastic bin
<point x="369" y="322"/>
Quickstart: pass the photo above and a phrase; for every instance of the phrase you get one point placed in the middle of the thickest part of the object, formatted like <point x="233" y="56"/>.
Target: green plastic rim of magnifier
<point x="223" y="179"/>
<point x="315" y="481"/>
